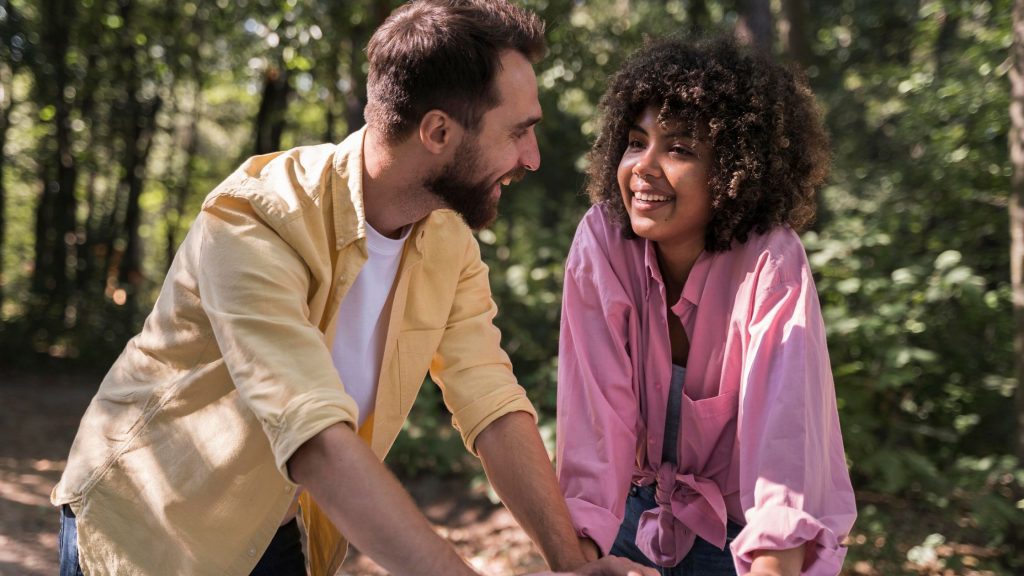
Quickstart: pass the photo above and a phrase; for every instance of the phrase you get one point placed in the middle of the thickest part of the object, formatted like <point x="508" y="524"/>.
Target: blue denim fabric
<point x="704" y="559"/>
<point x="67" y="543"/>
<point x="282" y="558"/>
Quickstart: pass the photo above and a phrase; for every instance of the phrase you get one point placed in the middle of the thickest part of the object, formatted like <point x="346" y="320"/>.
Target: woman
<point x="697" y="422"/>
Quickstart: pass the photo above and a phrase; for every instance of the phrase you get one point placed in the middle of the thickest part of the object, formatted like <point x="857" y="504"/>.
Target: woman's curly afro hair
<point x="769" y="148"/>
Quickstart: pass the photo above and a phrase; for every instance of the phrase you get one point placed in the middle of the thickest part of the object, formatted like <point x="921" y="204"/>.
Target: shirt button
<point x="287" y="489"/>
<point x="252" y="552"/>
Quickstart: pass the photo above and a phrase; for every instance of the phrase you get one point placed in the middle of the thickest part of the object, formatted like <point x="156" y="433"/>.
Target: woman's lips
<point x="650" y="196"/>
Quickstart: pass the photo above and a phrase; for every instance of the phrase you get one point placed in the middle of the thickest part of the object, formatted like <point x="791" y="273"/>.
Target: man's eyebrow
<point x="532" y="120"/>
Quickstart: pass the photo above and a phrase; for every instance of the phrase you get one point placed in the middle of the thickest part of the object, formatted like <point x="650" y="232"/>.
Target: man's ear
<point x="439" y="131"/>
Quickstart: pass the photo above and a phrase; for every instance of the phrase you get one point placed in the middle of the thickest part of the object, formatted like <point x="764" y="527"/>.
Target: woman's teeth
<point x="650" y="197"/>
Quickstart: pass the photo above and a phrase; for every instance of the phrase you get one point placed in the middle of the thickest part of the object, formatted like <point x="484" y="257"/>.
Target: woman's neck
<point x="675" y="263"/>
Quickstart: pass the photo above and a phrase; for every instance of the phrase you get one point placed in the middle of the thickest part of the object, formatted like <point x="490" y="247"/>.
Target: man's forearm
<point x="518" y="468"/>
<point x="369" y="506"/>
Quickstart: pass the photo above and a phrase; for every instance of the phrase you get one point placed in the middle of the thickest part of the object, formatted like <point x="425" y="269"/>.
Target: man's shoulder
<point x="446" y="229"/>
<point x="281" y="184"/>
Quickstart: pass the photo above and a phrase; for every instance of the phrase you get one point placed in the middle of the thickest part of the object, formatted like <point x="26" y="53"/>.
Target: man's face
<point x="500" y="151"/>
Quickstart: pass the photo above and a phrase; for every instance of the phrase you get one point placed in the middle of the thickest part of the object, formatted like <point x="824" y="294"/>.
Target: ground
<point x="38" y="422"/>
<point x="41" y="413"/>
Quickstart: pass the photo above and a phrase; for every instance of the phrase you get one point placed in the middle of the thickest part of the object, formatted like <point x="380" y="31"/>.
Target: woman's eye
<point x="682" y="151"/>
<point x="634" y="143"/>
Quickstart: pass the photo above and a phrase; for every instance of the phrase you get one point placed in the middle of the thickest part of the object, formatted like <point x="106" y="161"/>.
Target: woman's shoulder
<point x="598" y="229"/>
<point x="779" y="244"/>
<point x="776" y="255"/>
<point x="601" y="245"/>
<point x="599" y="222"/>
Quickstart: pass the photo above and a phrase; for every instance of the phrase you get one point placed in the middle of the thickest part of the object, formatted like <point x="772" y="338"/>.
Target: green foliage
<point x="910" y="252"/>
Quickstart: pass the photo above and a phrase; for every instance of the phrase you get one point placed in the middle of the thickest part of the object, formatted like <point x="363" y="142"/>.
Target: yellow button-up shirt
<point x="180" y="462"/>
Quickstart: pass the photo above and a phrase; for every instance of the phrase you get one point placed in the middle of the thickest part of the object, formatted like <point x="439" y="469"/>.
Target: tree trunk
<point x="355" y="96"/>
<point x="183" y="183"/>
<point x="140" y="116"/>
<point x="55" y="219"/>
<point x="944" y="56"/>
<point x="798" y="41"/>
<point x="698" y="15"/>
<point x="330" y="60"/>
<point x="270" y="119"/>
<point x="754" y="26"/>
<point x="1017" y="208"/>
<point x="6" y="103"/>
<point x="138" y="147"/>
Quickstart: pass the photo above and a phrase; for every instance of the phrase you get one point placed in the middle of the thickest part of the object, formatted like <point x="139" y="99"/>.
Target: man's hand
<point x="607" y="566"/>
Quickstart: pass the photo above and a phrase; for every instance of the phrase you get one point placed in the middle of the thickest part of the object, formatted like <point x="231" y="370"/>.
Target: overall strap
<point x="670" y="443"/>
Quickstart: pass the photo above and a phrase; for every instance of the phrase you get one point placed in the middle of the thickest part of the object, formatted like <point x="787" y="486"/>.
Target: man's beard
<point x="457" y="185"/>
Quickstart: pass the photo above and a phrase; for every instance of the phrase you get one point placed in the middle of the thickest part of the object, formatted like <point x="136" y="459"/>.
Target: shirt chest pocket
<point x="416" y="349"/>
<point x="709" y="431"/>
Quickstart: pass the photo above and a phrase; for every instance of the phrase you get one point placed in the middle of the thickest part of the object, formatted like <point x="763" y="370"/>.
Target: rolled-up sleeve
<point x="472" y="370"/>
<point x="253" y="287"/>
<point x="794" y="485"/>
<point x="597" y="406"/>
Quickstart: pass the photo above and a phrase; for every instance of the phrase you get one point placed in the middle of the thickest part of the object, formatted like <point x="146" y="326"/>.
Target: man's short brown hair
<point x="444" y="55"/>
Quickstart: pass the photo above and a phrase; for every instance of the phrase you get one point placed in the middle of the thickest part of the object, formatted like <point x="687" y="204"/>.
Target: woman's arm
<point x="794" y="485"/>
<point x="777" y="562"/>
<point x="597" y="408"/>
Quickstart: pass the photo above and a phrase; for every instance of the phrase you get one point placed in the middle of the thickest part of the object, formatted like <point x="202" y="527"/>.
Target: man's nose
<point x="529" y="154"/>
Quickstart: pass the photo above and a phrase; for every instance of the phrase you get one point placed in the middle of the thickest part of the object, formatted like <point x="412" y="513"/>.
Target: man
<point x="302" y="311"/>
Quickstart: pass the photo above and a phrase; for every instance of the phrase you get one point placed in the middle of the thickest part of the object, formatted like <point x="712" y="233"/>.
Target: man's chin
<point x="480" y="217"/>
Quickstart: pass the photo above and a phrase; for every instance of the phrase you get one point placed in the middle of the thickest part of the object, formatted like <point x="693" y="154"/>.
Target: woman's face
<point x="663" y="177"/>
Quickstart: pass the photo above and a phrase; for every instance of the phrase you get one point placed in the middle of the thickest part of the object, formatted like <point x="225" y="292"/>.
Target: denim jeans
<point x="282" y="558"/>
<point x="704" y="559"/>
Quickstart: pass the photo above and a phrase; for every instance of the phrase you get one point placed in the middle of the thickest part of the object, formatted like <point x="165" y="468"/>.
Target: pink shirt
<point x="759" y="439"/>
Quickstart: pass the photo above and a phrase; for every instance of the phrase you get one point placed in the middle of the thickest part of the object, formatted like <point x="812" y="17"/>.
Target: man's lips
<point x="514" y="175"/>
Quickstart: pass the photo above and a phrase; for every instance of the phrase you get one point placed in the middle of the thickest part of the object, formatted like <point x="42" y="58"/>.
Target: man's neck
<point x="393" y="194"/>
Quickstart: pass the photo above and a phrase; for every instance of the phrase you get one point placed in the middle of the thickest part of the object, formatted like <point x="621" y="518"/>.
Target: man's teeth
<point x="506" y="181"/>
<point x="650" y="197"/>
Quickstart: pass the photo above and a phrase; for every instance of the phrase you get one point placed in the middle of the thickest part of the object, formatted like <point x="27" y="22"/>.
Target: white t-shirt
<point x="363" y="322"/>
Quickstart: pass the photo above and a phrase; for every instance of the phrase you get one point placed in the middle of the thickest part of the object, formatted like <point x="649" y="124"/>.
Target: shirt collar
<point x="693" y="290"/>
<point x="654" y="277"/>
<point x="350" y="225"/>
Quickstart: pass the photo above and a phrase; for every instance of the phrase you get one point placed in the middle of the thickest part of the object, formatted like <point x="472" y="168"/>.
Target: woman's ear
<point x="438" y="131"/>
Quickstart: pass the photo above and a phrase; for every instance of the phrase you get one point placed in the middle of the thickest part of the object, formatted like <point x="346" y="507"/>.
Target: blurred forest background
<point x="118" y="116"/>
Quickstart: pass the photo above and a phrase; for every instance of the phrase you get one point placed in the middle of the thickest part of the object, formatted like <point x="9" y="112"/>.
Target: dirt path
<point x="38" y="420"/>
